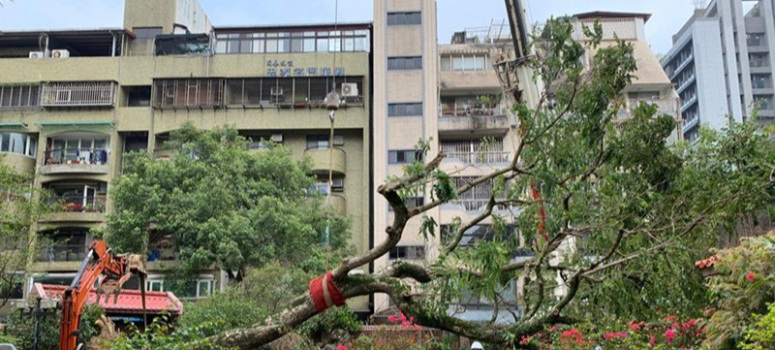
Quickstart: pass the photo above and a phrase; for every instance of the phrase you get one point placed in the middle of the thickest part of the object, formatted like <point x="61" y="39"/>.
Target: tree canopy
<point x="221" y="204"/>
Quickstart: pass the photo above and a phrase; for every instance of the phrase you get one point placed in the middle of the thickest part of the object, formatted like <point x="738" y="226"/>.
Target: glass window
<point x="297" y="45"/>
<point x="405" y="109"/>
<point x="5" y="141"/>
<point x="271" y="46"/>
<point x="204" y="288"/>
<point x="146" y="33"/>
<point x="457" y="63"/>
<point x="403" y="156"/>
<point x="284" y="45"/>
<point x="322" y="45"/>
<point x="349" y="44"/>
<point x="360" y="44"/>
<point x="309" y="45"/>
<point x="220" y="46"/>
<point x="335" y="45"/>
<point x="258" y="46"/>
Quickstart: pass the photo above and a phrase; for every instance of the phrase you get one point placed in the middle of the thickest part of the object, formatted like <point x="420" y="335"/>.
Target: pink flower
<point x="615" y="335"/>
<point x="750" y="276"/>
<point x="669" y="335"/>
<point x="392" y="319"/>
<point x="341" y="347"/>
<point x="525" y="340"/>
<point x="635" y="326"/>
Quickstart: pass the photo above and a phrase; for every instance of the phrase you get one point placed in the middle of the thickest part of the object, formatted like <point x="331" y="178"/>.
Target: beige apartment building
<point x="73" y="102"/>
<point x="450" y="95"/>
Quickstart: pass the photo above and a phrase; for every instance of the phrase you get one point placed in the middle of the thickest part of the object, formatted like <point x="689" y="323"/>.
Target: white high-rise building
<point x="721" y="64"/>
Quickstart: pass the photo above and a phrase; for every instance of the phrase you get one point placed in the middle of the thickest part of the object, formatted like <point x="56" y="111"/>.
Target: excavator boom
<point x="115" y="270"/>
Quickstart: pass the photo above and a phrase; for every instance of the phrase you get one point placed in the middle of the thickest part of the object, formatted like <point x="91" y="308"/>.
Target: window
<point x="321" y="141"/>
<point x="11" y="142"/>
<point x="204" y="288"/>
<point x="405" y="110"/>
<point x="77" y="150"/>
<point x="484" y="233"/>
<point x="465" y="63"/>
<point x="404" y="63"/>
<point x="187" y="93"/>
<point x="404" y="18"/>
<point x="404" y="156"/>
<point x="299" y="92"/>
<point x="321" y="186"/>
<point x="759" y="60"/>
<point x="138" y="96"/>
<point x="478" y="197"/>
<point x="292" y="42"/>
<point x="761" y="81"/>
<point x="146" y="33"/>
<point x="755" y="39"/>
<point x="414" y="252"/>
<point x="154" y="285"/>
<point x="78" y="94"/>
<point x="24" y="96"/>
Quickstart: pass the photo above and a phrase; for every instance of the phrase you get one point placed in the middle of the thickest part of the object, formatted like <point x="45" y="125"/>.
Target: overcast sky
<point x="668" y="15"/>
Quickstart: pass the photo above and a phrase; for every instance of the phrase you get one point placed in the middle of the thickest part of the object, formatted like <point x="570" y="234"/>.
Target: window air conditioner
<point x="350" y="90"/>
<point x="278" y="138"/>
<point x="60" y="54"/>
<point x="37" y="54"/>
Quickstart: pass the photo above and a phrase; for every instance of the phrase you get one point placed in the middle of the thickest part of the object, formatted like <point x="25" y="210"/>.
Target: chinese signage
<point x="285" y="69"/>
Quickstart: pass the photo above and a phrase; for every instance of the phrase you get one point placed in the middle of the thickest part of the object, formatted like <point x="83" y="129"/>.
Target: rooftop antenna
<point x="332" y="104"/>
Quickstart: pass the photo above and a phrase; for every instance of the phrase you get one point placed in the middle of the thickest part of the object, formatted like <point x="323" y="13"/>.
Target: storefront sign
<point x="286" y="69"/>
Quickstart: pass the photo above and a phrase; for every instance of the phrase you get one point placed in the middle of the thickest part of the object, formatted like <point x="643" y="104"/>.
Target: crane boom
<point x="99" y="261"/>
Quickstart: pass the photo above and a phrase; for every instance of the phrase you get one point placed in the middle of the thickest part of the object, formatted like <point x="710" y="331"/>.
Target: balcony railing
<point x="80" y="203"/>
<point x="85" y="156"/>
<point x="470" y="110"/>
<point x="78" y="94"/>
<point x="481" y="157"/>
<point x="62" y="252"/>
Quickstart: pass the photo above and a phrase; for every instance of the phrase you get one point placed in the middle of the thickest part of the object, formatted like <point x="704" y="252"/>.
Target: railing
<point x="481" y="157"/>
<point x="62" y="252"/>
<point x="80" y="204"/>
<point x="477" y="204"/>
<point x="78" y="94"/>
<point x="470" y="110"/>
<point x="85" y="156"/>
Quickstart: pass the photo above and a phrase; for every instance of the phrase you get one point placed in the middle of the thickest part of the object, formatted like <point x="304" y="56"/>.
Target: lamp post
<point x="332" y="103"/>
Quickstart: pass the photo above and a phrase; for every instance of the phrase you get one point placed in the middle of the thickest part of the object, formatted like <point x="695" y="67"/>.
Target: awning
<point x="75" y="124"/>
<point x="19" y="125"/>
<point x="129" y="301"/>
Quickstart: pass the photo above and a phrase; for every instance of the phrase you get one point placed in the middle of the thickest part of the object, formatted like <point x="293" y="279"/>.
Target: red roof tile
<point x="129" y="301"/>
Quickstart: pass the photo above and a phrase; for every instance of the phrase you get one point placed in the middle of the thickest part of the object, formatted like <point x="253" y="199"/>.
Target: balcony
<point x="62" y="253"/>
<point x="76" y="208"/>
<point x="483" y="157"/>
<point x="78" y="94"/>
<point x="76" y="161"/>
<point x="338" y="203"/>
<point x="323" y="160"/>
<point x="476" y="151"/>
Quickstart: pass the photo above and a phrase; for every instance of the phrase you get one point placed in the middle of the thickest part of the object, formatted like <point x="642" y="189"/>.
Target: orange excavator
<point x="110" y="272"/>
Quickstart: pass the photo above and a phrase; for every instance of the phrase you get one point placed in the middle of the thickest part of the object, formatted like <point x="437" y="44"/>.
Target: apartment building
<point x="650" y="84"/>
<point x="721" y="64"/>
<point x="74" y="102"/>
<point x="449" y="95"/>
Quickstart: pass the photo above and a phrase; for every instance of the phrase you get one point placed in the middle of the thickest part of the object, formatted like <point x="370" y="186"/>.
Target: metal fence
<point x="476" y="151"/>
<point x="78" y="94"/>
<point x="62" y="252"/>
<point x="80" y="203"/>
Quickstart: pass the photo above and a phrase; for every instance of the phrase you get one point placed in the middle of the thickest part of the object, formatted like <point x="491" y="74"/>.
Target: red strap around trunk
<point x="325" y="293"/>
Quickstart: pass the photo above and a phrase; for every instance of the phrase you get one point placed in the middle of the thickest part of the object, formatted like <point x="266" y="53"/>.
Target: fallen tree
<point x="607" y="205"/>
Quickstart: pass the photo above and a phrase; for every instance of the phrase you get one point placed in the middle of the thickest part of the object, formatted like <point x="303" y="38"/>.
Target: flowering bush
<point x="742" y="287"/>
<point x="669" y="333"/>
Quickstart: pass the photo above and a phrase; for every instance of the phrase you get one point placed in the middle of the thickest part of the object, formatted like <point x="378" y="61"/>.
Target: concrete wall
<point x="714" y="109"/>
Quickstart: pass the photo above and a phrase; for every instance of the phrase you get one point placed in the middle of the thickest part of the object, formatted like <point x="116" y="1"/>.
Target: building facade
<point x="73" y="103"/>
<point x="733" y="37"/>
<point x="448" y="95"/>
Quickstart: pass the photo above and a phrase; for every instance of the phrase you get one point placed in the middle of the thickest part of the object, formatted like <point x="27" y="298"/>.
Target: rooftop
<point x="129" y="301"/>
<point x="612" y="15"/>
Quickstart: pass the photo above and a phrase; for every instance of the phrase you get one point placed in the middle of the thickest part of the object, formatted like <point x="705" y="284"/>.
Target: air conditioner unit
<point x="60" y="54"/>
<point x="350" y="90"/>
<point x="37" y="54"/>
<point x="277" y="138"/>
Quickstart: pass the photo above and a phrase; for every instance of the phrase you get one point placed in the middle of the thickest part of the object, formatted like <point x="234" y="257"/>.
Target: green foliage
<point x="744" y="286"/>
<point x="222" y="204"/>
<point x="21" y="328"/>
<point x="263" y="292"/>
<point x="20" y="208"/>
<point x="161" y="336"/>
<point x="339" y="323"/>
<point x="761" y="335"/>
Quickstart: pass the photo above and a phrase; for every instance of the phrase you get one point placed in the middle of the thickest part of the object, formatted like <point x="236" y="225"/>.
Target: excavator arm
<point x="115" y="270"/>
